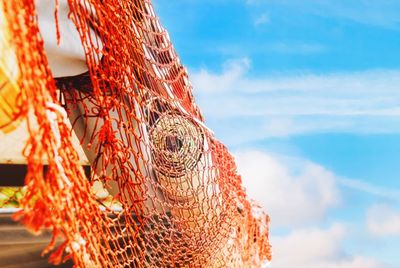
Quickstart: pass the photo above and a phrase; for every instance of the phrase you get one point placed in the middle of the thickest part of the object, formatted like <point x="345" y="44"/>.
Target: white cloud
<point x="296" y="193"/>
<point x="293" y="192"/>
<point x="383" y="220"/>
<point x="321" y="244"/>
<point x="207" y="82"/>
<point x="283" y="105"/>
<point x="317" y="248"/>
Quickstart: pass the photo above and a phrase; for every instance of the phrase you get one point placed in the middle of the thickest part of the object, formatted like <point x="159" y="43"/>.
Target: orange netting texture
<point x="177" y="200"/>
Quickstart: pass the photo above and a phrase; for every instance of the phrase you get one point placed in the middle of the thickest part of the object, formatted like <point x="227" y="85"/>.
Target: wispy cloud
<point x="383" y="220"/>
<point x="232" y="71"/>
<point x="376" y="12"/>
<point x="296" y="48"/>
<point x="292" y="104"/>
<point x="261" y="20"/>
<point x="376" y="190"/>
<point x="299" y="47"/>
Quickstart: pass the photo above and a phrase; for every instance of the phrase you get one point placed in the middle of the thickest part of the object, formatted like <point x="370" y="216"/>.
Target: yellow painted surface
<point x="9" y="90"/>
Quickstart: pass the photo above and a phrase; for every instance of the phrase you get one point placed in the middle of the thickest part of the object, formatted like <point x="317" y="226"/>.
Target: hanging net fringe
<point x="174" y="196"/>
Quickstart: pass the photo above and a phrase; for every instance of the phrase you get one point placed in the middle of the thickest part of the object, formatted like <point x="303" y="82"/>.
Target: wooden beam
<point x="14" y="174"/>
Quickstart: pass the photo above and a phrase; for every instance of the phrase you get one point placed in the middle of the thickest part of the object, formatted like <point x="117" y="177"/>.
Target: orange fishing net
<point x="177" y="198"/>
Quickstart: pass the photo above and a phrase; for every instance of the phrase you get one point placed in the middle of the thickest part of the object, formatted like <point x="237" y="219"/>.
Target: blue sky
<point x="306" y="95"/>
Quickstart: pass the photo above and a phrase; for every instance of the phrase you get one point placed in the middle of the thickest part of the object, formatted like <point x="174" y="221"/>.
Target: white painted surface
<point x="13" y="143"/>
<point x="68" y="57"/>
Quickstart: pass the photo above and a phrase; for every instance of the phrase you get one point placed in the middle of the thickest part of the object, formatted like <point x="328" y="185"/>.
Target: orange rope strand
<point x="176" y="197"/>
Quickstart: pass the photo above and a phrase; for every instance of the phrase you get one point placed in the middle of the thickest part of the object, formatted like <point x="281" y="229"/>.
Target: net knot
<point x="106" y="134"/>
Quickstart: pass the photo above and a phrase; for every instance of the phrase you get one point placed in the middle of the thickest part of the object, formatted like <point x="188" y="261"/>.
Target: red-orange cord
<point x="182" y="201"/>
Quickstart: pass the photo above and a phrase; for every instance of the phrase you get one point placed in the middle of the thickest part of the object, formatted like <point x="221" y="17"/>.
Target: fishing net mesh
<point x="174" y="196"/>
